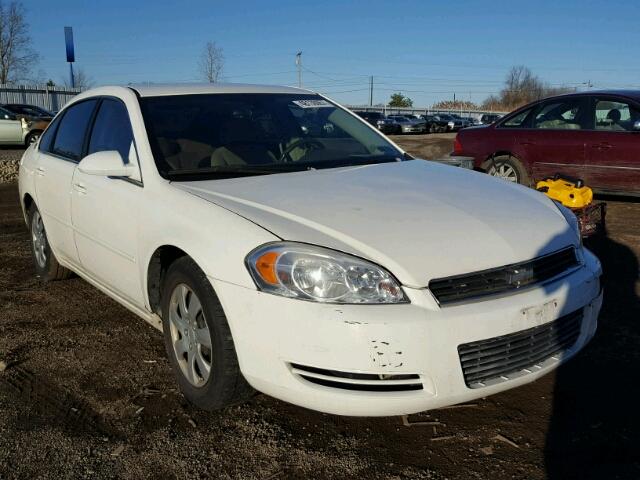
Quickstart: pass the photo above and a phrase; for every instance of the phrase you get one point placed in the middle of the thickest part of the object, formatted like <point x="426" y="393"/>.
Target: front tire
<point x="47" y="266"/>
<point x="508" y="168"/>
<point x="198" y="339"/>
<point x="32" y="138"/>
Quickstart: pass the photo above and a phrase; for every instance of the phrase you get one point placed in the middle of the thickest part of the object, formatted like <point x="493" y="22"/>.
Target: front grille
<point x="364" y="382"/>
<point x="502" y="279"/>
<point x="510" y="355"/>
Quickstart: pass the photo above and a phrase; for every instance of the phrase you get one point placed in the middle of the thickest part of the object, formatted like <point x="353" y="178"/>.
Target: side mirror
<point x="636" y="126"/>
<point x="106" y="164"/>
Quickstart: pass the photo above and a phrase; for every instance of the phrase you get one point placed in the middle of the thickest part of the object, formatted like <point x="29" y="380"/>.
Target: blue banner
<point x="68" y="40"/>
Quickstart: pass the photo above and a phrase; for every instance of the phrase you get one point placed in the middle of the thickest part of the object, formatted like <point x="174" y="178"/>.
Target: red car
<point x="594" y="136"/>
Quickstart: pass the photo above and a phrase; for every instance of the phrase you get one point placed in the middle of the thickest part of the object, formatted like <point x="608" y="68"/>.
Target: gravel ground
<point x="86" y="392"/>
<point x="9" y="158"/>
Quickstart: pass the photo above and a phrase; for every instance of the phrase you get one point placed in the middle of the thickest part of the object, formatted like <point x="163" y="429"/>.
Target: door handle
<point x="80" y="188"/>
<point x="527" y="143"/>
<point x="40" y="171"/>
<point x="602" y="146"/>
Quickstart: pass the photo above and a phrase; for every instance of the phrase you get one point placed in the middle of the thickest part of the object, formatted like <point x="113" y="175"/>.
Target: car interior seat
<point x="240" y="145"/>
<point x="614" y="116"/>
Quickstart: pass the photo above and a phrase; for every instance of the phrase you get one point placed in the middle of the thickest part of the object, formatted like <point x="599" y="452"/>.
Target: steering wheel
<point x="315" y="144"/>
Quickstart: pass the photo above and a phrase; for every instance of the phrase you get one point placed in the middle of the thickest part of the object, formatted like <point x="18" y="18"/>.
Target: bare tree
<point x="521" y="86"/>
<point x="17" y="58"/>
<point x="81" y="79"/>
<point x="211" y="62"/>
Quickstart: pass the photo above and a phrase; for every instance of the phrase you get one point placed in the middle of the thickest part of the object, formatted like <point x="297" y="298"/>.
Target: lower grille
<point x="506" y="356"/>
<point x="364" y="382"/>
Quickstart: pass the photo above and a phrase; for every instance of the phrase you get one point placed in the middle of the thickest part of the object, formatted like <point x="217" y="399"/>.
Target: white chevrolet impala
<point x="284" y="245"/>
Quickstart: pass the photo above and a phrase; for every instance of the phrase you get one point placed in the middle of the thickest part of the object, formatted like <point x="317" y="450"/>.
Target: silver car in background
<point x="409" y="125"/>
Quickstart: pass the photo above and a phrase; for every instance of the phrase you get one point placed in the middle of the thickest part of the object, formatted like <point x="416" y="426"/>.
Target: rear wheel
<point x="47" y="266"/>
<point x="507" y="168"/>
<point x="198" y="339"/>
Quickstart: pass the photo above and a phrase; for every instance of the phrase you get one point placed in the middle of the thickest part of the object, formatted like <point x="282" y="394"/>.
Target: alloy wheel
<point x="504" y="171"/>
<point x="190" y="335"/>
<point x="39" y="239"/>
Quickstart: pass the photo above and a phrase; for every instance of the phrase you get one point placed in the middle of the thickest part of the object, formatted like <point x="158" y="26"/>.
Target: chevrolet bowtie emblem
<point x="520" y="276"/>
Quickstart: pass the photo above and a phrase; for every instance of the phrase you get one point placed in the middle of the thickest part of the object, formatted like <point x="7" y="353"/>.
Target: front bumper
<point x="413" y="129"/>
<point x="273" y="335"/>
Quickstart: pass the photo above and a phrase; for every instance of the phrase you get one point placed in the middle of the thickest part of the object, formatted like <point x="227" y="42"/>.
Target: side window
<point x="566" y="114"/>
<point x="71" y="132"/>
<point x="112" y="129"/>
<point x="615" y="115"/>
<point x="518" y="121"/>
<point x="47" y="137"/>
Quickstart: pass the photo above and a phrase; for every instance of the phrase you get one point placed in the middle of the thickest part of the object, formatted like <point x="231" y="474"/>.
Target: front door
<point x="59" y="151"/>
<point x="613" y="153"/>
<point x="105" y="209"/>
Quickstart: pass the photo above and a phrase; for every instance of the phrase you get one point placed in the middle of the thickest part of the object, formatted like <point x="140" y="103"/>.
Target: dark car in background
<point x="592" y="135"/>
<point x="378" y="120"/>
<point x="409" y="124"/>
<point x="489" y="118"/>
<point x="453" y="124"/>
<point x="433" y="124"/>
<point x="30" y="112"/>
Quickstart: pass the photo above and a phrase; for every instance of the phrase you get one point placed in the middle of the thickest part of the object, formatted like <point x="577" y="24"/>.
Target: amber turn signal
<point x="266" y="267"/>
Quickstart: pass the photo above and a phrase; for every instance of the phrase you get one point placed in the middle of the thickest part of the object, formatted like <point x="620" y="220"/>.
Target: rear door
<point x="105" y="209"/>
<point x="613" y="151"/>
<point x="60" y="150"/>
<point x="10" y="127"/>
<point x="556" y="139"/>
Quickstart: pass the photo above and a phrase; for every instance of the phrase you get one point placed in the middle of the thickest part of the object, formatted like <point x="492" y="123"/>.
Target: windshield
<point x="226" y="135"/>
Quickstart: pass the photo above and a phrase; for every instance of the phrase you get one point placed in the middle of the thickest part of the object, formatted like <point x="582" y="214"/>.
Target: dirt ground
<point x="88" y="393"/>
<point x="430" y="146"/>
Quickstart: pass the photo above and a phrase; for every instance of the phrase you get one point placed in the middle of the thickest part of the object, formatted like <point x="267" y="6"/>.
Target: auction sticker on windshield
<point x="312" y="103"/>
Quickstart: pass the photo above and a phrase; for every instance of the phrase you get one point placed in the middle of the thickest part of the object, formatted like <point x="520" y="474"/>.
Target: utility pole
<point x="299" y="65"/>
<point x="371" y="91"/>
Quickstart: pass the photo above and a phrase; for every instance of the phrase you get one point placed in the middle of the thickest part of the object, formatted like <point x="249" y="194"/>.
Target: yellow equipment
<point x="571" y="193"/>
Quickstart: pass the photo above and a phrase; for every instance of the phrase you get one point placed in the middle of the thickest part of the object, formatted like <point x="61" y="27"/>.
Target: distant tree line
<point x="521" y="86"/>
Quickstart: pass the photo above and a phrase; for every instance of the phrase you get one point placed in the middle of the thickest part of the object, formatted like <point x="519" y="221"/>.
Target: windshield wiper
<point x="268" y="169"/>
<point x="226" y="172"/>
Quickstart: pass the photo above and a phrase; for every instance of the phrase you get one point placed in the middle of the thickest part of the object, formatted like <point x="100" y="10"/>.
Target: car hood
<point x="420" y="220"/>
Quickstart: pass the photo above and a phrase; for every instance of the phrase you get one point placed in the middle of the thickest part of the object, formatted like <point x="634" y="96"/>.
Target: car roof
<point x="633" y="94"/>
<point x="154" y="90"/>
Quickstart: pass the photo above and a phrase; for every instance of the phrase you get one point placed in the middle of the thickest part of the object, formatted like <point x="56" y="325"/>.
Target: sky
<point x="427" y="50"/>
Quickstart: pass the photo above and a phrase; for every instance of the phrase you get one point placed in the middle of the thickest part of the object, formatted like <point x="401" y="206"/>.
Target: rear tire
<point x="198" y="339"/>
<point x="508" y="168"/>
<point x="47" y="266"/>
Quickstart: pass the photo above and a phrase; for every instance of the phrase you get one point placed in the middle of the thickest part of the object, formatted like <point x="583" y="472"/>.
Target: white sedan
<point x="284" y="245"/>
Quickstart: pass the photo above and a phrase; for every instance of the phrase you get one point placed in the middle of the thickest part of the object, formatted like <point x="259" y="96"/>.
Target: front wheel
<point x="32" y="138"/>
<point x="198" y="339"/>
<point x="507" y="168"/>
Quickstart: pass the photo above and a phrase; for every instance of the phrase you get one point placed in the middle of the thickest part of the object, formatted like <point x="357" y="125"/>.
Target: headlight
<point x="322" y="275"/>
<point x="571" y="219"/>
